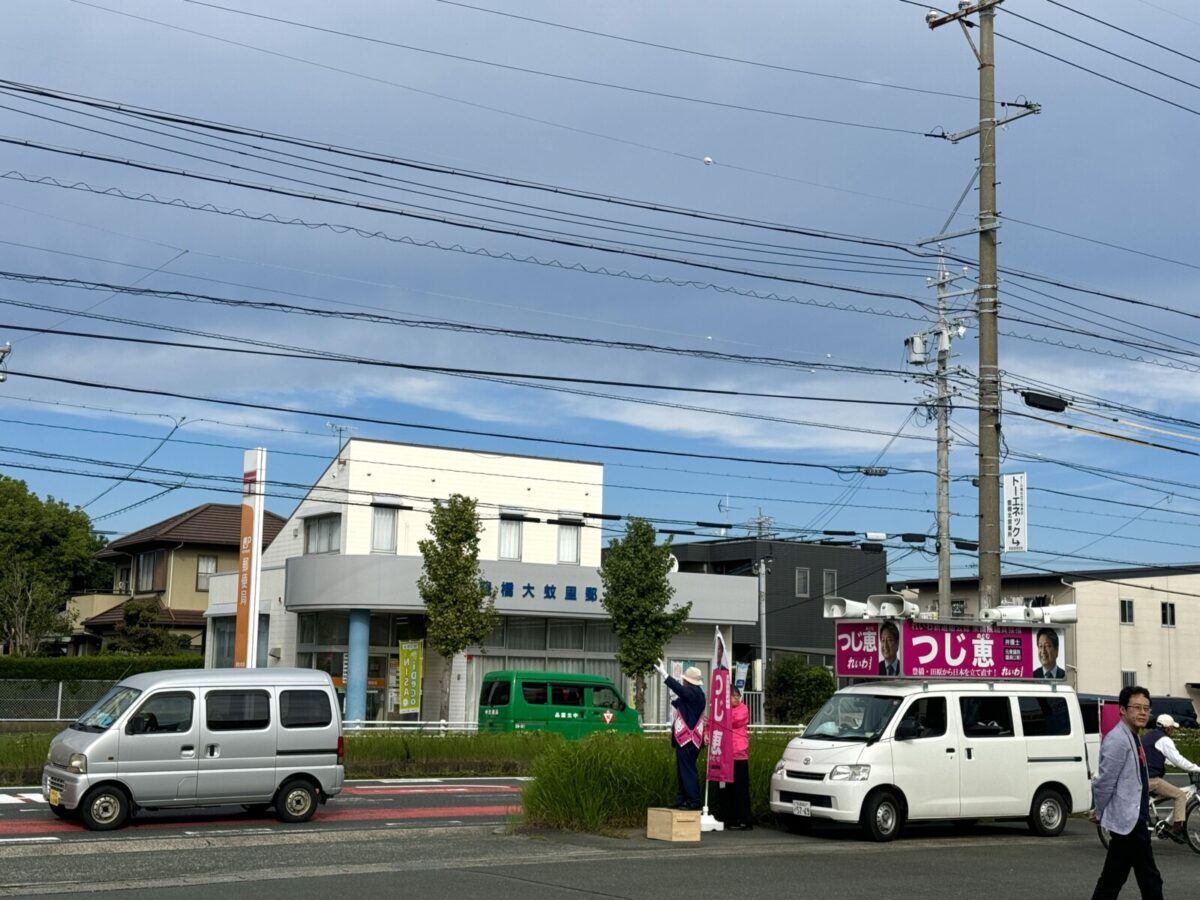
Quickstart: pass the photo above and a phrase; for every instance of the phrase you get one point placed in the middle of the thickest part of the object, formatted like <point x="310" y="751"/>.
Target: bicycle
<point x="1162" y="813"/>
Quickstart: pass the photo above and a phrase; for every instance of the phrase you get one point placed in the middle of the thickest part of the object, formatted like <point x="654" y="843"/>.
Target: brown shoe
<point x="1176" y="833"/>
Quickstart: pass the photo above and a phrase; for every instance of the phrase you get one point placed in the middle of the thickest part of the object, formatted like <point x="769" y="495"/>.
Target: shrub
<point x="796" y="690"/>
<point x="91" y="668"/>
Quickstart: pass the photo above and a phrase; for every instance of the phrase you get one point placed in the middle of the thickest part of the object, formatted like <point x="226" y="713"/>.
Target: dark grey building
<point x="799" y="577"/>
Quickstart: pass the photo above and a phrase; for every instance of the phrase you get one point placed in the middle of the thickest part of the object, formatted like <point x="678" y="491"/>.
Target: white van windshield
<point x="107" y="709"/>
<point x="852" y="717"/>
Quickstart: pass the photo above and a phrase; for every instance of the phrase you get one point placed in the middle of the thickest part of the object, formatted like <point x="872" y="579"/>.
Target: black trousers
<point x="1125" y="852"/>
<point x="686" y="777"/>
<point x="735" y="797"/>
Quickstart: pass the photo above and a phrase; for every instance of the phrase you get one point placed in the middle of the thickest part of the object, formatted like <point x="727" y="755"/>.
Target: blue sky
<point x="824" y="135"/>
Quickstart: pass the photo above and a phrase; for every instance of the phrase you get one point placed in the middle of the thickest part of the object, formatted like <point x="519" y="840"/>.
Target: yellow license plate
<point x="55" y="796"/>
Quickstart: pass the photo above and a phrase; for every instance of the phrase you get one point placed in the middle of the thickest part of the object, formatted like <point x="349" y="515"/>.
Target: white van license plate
<point x="55" y="797"/>
<point x="801" y="808"/>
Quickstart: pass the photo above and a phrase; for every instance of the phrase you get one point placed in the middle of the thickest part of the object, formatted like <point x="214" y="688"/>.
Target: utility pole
<point x="764" y="567"/>
<point x="4" y="351"/>
<point x="917" y="355"/>
<point x="986" y="301"/>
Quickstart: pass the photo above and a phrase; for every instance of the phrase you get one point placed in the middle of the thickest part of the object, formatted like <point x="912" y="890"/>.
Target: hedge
<point x="104" y="667"/>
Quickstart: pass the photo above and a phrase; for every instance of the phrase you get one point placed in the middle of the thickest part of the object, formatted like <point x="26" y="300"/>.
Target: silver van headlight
<point x="849" y="773"/>
<point x="780" y="766"/>
<point x="77" y="763"/>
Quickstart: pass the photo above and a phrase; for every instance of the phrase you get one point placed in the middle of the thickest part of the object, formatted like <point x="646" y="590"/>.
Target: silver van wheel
<point x="297" y="802"/>
<point x="1049" y="814"/>
<point x="105" y="808"/>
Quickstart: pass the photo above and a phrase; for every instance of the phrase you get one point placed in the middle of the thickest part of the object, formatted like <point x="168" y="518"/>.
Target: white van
<point x="886" y="753"/>
<point x="200" y="737"/>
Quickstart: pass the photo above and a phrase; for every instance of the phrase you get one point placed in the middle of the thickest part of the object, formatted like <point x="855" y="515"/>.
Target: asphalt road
<point x="366" y="845"/>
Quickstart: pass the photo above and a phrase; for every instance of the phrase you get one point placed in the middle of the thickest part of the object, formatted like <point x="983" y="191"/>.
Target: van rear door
<point x="237" y="745"/>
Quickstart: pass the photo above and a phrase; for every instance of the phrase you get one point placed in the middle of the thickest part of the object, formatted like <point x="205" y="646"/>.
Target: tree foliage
<point x="796" y="690"/>
<point x="139" y="635"/>
<point x="636" y="597"/>
<point x="459" y="609"/>
<point x="47" y="550"/>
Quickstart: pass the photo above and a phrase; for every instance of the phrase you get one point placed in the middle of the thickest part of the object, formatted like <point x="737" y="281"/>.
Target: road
<point x="453" y="838"/>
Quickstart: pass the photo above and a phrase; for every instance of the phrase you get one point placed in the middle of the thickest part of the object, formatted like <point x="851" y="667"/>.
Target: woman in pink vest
<point x="737" y="814"/>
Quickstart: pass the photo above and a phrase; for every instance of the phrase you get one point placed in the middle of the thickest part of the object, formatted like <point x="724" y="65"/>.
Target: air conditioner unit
<point x="841" y="608"/>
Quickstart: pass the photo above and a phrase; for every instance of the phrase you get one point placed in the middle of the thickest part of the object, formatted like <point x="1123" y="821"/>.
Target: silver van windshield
<point x="107" y="709"/>
<point x="852" y="717"/>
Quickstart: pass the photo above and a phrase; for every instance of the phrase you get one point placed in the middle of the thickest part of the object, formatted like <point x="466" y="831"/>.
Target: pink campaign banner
<point x="902" y="647"/>
<point x="720" y="753"/>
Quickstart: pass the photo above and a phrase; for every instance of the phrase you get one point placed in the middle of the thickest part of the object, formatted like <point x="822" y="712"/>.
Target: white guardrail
<point x="444" y="727"/>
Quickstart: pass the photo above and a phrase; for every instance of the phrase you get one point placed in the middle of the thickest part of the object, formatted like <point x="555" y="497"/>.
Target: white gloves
<point x="661" y="669"/>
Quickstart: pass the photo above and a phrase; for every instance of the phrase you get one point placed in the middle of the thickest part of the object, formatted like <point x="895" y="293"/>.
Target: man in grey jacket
<point x="1121" y="801"/>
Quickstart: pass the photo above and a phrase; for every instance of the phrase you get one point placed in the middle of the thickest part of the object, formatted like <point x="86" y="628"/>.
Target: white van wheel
<point x="882" y="817"/>
<point x="1048" y="817"/>
<point x="105" y="808"/>
<point x="297" y="802"/>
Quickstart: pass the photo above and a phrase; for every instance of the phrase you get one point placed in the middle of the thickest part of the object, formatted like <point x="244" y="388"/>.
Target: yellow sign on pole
<point x="412" y="671"/>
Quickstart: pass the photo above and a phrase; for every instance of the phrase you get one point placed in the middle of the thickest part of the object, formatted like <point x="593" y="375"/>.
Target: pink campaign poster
<point x="901" y="647"/>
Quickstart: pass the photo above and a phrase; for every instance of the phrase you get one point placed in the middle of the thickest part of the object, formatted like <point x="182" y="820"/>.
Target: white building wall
<point x="1163" y="659"/>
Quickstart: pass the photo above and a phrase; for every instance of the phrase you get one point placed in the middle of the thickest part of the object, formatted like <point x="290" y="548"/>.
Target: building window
<point x="323" y="534"/>
<point x="1128" y="679"/>
<point x="510" y="537"/>
<point x="152" y="571"/>
<point x="568" y="542"/>
<point x="383" y="529"/>
<point x="206" y="567"/>
<point x="1126" y="612"/>
<point x="123" y="584"/>
<point x="1168" y="615"/>
<point x="801" y="582"/>
<point x="829" y="583"/>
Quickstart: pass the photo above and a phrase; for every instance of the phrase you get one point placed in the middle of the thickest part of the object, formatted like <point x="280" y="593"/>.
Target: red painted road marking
<point x="430" y="789"/>
<point x="27" y="827"/>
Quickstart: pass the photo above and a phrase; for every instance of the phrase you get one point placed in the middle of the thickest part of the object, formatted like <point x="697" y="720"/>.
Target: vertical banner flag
<point x="1016" y="519"/>
<point x="254" y="475"/>
<point x="412" y="671"/>
<point x="720" y="751"/>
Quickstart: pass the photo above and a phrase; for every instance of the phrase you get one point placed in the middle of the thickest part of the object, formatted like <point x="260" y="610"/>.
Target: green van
<point x="570" y="704"/>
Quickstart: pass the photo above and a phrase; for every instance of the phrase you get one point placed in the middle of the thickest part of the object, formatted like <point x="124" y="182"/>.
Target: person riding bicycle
<point x="1160" y="750"/>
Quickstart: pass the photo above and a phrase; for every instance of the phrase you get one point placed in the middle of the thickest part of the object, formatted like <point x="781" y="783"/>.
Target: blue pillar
<point x="356" y="665"/>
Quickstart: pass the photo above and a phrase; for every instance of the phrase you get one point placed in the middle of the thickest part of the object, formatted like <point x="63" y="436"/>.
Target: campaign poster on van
<point x="940" y="650"/>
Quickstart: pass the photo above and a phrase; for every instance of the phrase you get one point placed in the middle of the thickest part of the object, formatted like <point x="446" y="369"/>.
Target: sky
<point x="698" y="224"/>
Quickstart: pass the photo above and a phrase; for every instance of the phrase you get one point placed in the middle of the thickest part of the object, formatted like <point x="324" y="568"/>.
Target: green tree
<point x="459" y="608"/>
<point x="47" y="550"/>
<point x="636" y="596"/>
<point x="796" y="690"/>
<point x="139" y="635"/>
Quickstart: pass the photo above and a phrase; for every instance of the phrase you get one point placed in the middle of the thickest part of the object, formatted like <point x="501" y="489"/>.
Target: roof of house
<point x="167" y="617"/>
<point x="210" y="524"/>
<point x="1067" y="577"/>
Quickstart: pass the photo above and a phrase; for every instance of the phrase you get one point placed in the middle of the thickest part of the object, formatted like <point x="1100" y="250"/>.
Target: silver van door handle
<point x="187" y="751"/>
<point x="212" y="751"/>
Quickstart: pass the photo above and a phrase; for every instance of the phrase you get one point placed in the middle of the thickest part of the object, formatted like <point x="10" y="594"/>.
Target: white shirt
<point x="1166" y="747"/>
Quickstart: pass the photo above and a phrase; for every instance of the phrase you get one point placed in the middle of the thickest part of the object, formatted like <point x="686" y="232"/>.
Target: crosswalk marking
<point x="21" y="798"/>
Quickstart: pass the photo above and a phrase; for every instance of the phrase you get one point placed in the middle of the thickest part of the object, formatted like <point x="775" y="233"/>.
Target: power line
<point x="697" y="53"/>
<point x="1122" y="30"/>
<point x="325" y="414"/>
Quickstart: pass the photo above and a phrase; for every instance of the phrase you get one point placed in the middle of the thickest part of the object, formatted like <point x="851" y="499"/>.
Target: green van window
<point x="495" y="693"/>
<point x="534" y="691"/>
<point x="606" y="698"/>
<point x="566" y="694"/>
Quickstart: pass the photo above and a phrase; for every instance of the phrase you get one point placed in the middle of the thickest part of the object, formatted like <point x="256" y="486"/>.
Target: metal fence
<point x="48" y="701"/>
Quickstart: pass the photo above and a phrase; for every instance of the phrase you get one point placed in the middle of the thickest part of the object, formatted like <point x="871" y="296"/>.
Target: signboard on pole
<point x="412" y="673"/>
<point x="254" y="476"/>
<point x="1016" y="514"/>
<point x="720" y="751"/>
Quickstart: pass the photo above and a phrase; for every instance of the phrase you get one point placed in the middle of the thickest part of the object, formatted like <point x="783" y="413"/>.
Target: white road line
<point x="214" y="831"/>
<point x="33" y="798"/>
<point x="30" y="840"/>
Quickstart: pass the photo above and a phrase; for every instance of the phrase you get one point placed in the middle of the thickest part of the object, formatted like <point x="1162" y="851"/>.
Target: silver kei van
<point x="200" y="737"/>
